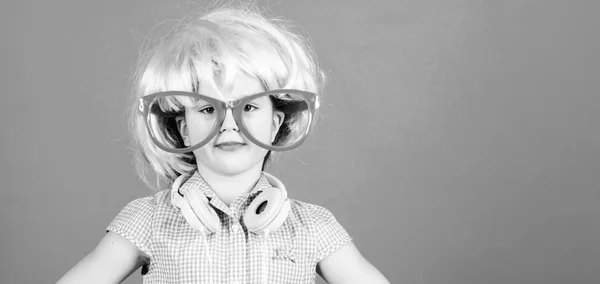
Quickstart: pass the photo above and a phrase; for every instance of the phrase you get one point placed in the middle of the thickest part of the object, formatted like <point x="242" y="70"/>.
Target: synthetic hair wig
<point x="211" y="49"/>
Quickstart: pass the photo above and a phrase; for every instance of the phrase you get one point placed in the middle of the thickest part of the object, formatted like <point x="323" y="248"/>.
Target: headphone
<point x="265" y="214"/>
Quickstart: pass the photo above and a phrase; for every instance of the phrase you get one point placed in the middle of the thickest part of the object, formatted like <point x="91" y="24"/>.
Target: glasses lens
<point x="170" y="113"/>
<point x="287" y="113"/>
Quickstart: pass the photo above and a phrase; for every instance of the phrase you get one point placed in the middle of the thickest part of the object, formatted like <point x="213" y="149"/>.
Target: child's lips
<point x="229" y="146"/>
<point x="229" y="143"/>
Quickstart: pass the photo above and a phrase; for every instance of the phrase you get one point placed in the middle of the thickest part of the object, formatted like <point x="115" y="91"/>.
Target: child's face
<point x="229" y="152"/>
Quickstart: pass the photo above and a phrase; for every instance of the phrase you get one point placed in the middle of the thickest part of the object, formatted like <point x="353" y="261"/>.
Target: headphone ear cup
<point x="267" y="212"/>
<point x="200" y="215"/>
<point x="202" y="210"/>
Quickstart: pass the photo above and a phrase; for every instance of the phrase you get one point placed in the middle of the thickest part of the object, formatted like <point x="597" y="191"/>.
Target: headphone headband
<point x="201" y="216"/>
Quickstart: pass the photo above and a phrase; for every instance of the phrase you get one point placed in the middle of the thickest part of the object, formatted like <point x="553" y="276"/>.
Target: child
<point x="214" y="100"/>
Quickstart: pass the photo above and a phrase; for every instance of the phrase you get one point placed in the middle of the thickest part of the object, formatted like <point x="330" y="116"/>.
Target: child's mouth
<point x="229" y="146"/>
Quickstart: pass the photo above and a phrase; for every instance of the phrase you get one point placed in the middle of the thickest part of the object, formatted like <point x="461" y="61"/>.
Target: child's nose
<point x="229" y="122"/>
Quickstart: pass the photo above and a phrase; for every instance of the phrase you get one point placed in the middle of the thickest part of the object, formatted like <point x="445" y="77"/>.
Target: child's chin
<point x="234" y="167"/>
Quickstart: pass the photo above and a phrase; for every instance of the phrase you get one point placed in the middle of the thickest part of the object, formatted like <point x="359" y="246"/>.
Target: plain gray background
<point x="458" y="140"/>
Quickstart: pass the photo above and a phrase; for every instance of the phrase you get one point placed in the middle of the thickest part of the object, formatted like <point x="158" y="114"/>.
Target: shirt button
<point x="235" y="228"/>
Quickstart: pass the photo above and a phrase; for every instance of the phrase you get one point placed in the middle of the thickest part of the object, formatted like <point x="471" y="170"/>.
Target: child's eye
<point x="207" y="110"/>
<point x="249" y="108"/>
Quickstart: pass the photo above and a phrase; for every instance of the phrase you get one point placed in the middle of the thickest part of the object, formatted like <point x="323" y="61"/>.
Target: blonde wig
<point x="211" y="49"/>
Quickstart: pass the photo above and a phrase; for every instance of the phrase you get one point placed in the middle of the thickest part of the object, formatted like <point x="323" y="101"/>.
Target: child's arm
<point x="347" y="265"/>
<point x="113" y="260"/>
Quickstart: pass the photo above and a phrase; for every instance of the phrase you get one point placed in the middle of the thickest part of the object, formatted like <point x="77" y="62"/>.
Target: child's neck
<point x="228" y="188"/>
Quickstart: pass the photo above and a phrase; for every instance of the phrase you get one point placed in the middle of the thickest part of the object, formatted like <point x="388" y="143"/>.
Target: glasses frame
<point x="237" y="107"/>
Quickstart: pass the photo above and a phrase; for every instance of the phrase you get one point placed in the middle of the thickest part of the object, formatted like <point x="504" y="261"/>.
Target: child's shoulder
<point x="151" y="202"/>
<point x="311" y="213"/>
<point x="328" y="233"/>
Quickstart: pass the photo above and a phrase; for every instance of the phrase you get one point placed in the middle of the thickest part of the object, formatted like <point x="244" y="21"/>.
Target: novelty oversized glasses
<point x="163" y="111"/>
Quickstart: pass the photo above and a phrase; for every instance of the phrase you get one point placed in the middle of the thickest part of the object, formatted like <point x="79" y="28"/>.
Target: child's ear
<point x="278" y="117"/>
<point x="183" y="131"/>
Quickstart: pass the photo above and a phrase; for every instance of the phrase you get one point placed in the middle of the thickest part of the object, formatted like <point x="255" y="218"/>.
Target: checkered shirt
<point x="177" y="253"/>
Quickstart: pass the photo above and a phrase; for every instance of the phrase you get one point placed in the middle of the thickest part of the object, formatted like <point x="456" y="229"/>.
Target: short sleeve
<point x="134" y="223"/>
<point x="329" y="234"/>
